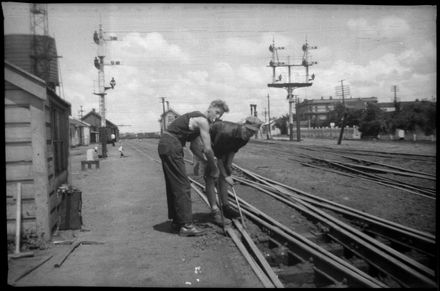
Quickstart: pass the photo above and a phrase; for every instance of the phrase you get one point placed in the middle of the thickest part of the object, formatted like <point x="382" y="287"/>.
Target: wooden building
<point x="94" y="119"/>
<point x="36" y="151"/>
<point x="166" y="118"/>
<point x="79" y="132"/>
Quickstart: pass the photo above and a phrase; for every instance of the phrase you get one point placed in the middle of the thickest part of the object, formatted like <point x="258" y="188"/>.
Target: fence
<point x="330" y="133"/>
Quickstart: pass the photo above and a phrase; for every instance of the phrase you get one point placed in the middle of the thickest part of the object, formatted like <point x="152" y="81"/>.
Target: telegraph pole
<point x="268" y="113"/>
<point x="162" y="128"/>
<point x="81" y="112"/>
<point x="253" y="110"/>
<point x="98" y="37"/>
<point x="395" y="89"/>
<point x="343" y="115"/>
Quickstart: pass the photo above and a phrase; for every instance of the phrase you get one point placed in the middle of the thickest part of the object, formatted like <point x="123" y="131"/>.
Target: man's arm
<point x="196" y="148"/>
<point x="203" y="126"/>
<point x="225" y="167"/>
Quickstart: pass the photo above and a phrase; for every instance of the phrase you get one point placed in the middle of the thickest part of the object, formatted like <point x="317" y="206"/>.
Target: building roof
<point x="25" y="80"/>
<point x="78" y="122"/>
<point x="168" y="111"/>
<point x="93" y="112"/>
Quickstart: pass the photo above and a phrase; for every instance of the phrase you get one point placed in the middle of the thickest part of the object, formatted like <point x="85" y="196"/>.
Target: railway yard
<point x="337" y="216"/>
<point x="316" y="214"/>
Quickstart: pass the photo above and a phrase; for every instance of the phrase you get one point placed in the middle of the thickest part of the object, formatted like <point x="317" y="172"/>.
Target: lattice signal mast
<point x="98" y="38"/>
<point x="40" y="45"/>
<point x="290" y="85"/>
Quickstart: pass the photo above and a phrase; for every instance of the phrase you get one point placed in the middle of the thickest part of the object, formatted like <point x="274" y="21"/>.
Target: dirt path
<point x="124" y="206"/>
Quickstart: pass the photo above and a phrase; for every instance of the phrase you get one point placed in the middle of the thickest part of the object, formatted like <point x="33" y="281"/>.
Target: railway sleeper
<point x="298" y="275"/>
<point x="289" y="266"/>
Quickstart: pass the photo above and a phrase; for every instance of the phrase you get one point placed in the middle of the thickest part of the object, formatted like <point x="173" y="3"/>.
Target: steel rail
<point x="429" y="238"/>
<point x="402" y="268"/>
<point x="368" y="178"/>
<point x="261" y="259"/>
<point x="265" y="280"/>
<point x="321" y="257"/>
<point x="370" y="223"/>
<point x="386" y="248"/>
<point x="350" y="166"/>
<point x="334" y="266"/>
<point x="386" y="165"/>
<point x="263" y="262"/>
<point x="367" y="151"/>
<point x="405" y="186"/>
<point x="385" y="155"/>
<point x="408" y="187"/>
<point x="401" y="173"/>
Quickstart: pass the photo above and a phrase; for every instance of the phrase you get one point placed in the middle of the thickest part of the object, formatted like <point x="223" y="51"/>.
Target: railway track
<point x="373" y="250"/>
<point x="410" y="181"/>
<point x="366" y="251"/>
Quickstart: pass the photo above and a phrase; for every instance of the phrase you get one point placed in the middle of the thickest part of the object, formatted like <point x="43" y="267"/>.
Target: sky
<point x="192" y="54"/>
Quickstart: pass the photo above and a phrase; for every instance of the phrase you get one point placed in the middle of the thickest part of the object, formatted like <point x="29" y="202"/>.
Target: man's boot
<point x="190" y="229"/>
<point x="217" y="218"/>
<point x="230" y="213"/>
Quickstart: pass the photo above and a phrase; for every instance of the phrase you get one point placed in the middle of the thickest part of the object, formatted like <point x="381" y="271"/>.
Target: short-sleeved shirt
<point x="226" y="137"/>
<point x="180" y="127"/>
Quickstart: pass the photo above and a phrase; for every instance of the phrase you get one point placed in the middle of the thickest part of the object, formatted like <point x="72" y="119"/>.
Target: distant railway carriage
<point x="36" y="151"/>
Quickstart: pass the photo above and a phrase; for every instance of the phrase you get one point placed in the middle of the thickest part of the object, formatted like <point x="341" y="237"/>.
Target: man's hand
<point x="229" y="180"/>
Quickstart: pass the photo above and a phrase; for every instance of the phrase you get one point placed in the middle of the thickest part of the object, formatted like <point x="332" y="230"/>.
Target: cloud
<point x="152" y="47"/>
<point x="387" y="27"/>
<point x="243" y="47"/>
<point x="392" y="27"/>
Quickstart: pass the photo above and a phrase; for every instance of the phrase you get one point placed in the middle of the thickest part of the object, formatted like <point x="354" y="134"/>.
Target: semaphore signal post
<point x="291" y="84"/>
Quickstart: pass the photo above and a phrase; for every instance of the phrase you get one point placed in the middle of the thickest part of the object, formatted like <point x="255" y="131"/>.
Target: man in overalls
<point x="227" y="138"/>
<point x="187" y="127"/>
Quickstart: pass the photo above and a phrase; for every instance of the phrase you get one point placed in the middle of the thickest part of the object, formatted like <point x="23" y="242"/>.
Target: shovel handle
<point x="238" y="206"/>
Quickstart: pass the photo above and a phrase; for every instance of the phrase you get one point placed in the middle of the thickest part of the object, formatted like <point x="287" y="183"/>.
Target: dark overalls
<point x="226" y="138"/>
<point x="170" y="150"/>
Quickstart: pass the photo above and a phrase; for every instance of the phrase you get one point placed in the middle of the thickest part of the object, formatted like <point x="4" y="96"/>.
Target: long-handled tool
<point x="238" y="206"/>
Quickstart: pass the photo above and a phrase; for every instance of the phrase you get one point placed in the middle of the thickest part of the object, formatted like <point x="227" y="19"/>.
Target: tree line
<point x="373" y="121"/>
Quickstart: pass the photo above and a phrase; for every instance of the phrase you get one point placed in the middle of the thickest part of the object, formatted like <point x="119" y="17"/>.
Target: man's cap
<point x="253" y="123"/>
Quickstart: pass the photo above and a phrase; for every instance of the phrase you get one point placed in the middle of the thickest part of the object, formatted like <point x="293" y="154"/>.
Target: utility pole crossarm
<point x="290" y="85"/>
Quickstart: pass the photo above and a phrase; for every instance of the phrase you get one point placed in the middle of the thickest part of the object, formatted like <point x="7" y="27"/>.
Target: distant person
<point x="227" y="138"/>
<point x="113" y="137"/>
<point x="121" y="151"/>
<point x="184" y="128"/>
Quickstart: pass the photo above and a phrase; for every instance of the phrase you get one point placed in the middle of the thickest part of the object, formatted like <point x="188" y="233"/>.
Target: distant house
<point x="166" y="118"/>
<point x="94" y="120"/>
<point x="79" y="132"/>
<point x="36" y="151"/>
